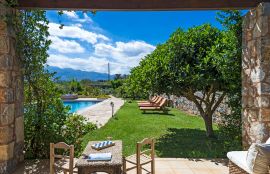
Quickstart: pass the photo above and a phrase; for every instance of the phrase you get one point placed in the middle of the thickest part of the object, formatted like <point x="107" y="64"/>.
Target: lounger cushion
<point x="239" y="158"/>
<point x="258" y="158"/>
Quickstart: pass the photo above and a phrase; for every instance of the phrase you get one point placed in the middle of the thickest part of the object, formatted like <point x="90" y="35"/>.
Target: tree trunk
<point x="206" y="106"/>
<point x="209" y="126"/>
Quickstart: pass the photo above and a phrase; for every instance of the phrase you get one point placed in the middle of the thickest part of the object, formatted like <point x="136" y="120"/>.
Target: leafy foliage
<point x="231" y="126"/>
<point x="202" y="64"/>
<point x="44" y="113"/>
<point x="196" y="68"/>
<point x="74" y="130"/>
<point x="85" y="88"/>
<point x="197" y="64"/>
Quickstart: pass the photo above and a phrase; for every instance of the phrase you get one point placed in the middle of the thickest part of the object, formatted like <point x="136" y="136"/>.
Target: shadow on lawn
<point x="167" y="113"/>
<point x="189" y="143"/>
<point x="158" y="113"/>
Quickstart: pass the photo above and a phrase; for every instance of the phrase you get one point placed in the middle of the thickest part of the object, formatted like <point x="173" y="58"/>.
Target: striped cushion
<point x="102" y="144"/>
<point x="258" y="158"/>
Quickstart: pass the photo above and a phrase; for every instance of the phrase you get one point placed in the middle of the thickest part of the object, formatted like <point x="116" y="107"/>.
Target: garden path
<point x="100" y="113"/>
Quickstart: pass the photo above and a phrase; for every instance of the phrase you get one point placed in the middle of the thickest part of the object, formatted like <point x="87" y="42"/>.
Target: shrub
<point x="55" y="125"/>
<point x="42" y="128"/>
<point x="74" y="129"/>
<point x="230" y="127"/>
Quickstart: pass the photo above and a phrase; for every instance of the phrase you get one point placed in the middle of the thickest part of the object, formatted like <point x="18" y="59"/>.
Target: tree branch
<point x="200" y="99"/>
<point x="191" y="96"/>
<point x="218" y="102"/>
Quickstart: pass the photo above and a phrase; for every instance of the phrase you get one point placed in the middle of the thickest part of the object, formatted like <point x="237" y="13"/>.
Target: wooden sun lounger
<point x="160" y="107"/>
<point x="147" y="101"/>
<point x="153" y="100"/>
<point x="156" y="103"/>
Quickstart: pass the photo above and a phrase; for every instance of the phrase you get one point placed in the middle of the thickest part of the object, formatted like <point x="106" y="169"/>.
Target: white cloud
<point x="76" y="32"/>
<point x="74" y="17"/>
<point x="122" y="57"/>
<point x="124" y="52"/>
<point x="78" y="25"/>
<point x="85" y="18"/>
<point x="65" y="46"/>
<point x="89" y="64"/>
<point x="71" y="14"/>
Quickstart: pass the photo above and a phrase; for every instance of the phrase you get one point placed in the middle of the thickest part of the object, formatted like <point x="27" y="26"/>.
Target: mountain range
<point x="66" y="74"/>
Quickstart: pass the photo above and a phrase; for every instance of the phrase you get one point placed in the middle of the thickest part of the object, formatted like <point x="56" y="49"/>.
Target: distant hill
<point x="69" y="74"/>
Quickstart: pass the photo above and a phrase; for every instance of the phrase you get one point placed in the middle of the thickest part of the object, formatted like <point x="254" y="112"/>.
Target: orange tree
<point x="197" y="64"/>
<point x="199" y="71"/>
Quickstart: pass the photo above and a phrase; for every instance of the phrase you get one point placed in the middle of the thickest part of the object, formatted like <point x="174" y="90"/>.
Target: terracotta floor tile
<point x="183" y="171"/>
<point x="219" y="171"/>
<point x="196" y="164"/>
<point x="165" y="171"/>
<point x="201" y="171"/>
<point x="163" y="166"/>
<point x="178" y="165"/>
<point x="217" y="164"/>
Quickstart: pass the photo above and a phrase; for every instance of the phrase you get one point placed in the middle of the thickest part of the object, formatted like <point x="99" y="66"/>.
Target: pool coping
<point x="84" y="99"/>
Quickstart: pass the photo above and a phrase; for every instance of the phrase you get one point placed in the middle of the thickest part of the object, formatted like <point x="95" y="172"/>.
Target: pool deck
<point x="100" y="113"/>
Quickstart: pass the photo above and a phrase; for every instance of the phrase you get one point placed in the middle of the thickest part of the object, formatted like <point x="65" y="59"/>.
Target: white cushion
<point x="268" y="141"/>
<point x="239" y="158"/>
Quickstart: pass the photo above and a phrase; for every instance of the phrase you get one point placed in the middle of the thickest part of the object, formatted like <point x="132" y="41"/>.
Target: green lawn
<point x="178" y="134"/>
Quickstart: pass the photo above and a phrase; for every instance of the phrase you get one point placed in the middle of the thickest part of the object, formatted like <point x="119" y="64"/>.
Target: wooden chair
<point x="63" y="162"/>
<point x="142" y="157"/>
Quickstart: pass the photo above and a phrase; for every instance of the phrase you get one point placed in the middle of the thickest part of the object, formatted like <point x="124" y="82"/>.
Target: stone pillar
<point x="11" y="97"/>
<point x="256" y="75"/>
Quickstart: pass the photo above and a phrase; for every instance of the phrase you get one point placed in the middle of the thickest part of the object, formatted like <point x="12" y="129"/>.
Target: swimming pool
<point x="78" y="105"/>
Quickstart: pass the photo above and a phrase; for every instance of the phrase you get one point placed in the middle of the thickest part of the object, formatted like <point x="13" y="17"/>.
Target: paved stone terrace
<point x="100" y="113"/>
<point x="163" y="166"/>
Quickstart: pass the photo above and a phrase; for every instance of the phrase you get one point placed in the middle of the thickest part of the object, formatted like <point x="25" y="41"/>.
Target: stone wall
<point x="11" y="98"/>
<point x="256" y="75"/>
<point x="189" y="107"/>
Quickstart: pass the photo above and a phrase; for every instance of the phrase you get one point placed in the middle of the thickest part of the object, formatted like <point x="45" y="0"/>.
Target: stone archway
<point x="255" y="78"/>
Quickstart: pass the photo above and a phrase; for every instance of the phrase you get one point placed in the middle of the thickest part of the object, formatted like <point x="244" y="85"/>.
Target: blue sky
<point x="88" y="42"/>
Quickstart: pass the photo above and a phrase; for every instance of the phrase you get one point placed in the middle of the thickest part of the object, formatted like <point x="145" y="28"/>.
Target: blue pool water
<point x="78" y="105"/>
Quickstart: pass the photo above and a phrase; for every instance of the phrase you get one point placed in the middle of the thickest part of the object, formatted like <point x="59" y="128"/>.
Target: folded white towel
<point x="100" y="157"/>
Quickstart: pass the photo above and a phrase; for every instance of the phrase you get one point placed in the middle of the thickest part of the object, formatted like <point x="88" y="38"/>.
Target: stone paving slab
<point x="100" y="113"/>
<point x="163" y="166"/>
